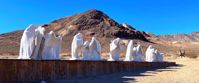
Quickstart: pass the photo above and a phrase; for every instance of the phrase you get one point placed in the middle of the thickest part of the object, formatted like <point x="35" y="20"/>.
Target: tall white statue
<point x="77" y="44"/>
<point x="39" y="35"/>
<point x="139" y="56"/>
<point x="52" y="46"/>
<point x="86" y="51"/>
<point x="115" y="50"/>
<point x="95" y="49"/>
<point x="130" y="52"/>
<point x="150" y="54"/>
<point x="27" y="44"/>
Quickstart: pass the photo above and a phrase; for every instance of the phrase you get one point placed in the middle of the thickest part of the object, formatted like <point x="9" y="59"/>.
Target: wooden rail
<point x="26" y="71"/>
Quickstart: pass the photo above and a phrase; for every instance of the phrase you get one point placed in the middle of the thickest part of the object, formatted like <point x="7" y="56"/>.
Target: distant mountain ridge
<point x="193" y="37"/>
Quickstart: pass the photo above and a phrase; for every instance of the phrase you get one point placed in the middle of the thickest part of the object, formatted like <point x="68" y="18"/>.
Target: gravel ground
<point x="186" y="72"/>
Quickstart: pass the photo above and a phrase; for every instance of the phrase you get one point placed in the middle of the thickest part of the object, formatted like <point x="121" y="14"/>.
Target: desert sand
<point x="187" y="71"/>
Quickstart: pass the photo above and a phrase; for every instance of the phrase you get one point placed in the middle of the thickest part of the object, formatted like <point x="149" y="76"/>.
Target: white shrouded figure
<point x="58" y="46"/>
<point x="86" y="51"/>
<point x="150" y="54"/>
<point x="27" y="43"/>
<point x="139" y="54"/>
<point x="39" y="34"/>
<point x="130" y="52"/>
<point x="95" y="49"/>
<point x="159" y="56"/>
<point x="77" y="44"/>
<point x="115" y="50"/>
<point x="52" y="46"/>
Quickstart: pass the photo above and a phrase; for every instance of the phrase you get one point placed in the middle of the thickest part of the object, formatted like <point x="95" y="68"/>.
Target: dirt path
<point x="186" y="72"/>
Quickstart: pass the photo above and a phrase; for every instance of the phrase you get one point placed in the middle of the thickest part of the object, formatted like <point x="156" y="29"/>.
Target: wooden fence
<point x="27" y="71"/>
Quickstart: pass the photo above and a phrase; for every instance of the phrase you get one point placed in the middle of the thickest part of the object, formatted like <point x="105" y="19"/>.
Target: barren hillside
<point x="90" y="23"/>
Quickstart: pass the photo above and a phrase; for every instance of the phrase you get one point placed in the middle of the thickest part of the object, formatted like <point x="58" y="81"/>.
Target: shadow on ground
<point x="122" y="77"/>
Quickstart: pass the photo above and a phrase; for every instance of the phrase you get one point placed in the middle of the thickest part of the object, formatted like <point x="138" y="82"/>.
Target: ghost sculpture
<point x="86" y="51"/>
<point x="115" y="50"/>
<point x="150" y="54"/>
<point x="131" y="51"/>
<point x="39" y="35"/>
<point x="28" y="42"/>
<point x="159" y="56"/>
<point x="58" y="46"/>
<point x="52" y="46"/>
<point x="77" y="44"/>
<point x="139" y="54"/>
<point x="95" y="49"/>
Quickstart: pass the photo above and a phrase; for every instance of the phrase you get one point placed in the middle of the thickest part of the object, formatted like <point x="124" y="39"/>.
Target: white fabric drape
<point x="86" y="51"/>
<point x="153" y="55"/>
<point x="27" y="44"/>
<point x="52" y="46"/>
<point x="130" y="52"/>
<point x="77" y="44"/>
<point x="95" y="49"/>
<point x="150" y="54"/>
<point x="139" y="54"/>
<point x="115" y="50"/>
<point x="159" y="56"/>
<point x="39" y="34"/>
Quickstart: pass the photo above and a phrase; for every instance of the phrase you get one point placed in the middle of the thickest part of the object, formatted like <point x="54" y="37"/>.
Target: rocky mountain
<point x="90" y="23"/>
<point x="193" y="37"/>
<point x="95" y="23"/>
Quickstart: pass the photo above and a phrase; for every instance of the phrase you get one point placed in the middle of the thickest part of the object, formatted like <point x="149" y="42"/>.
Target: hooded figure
<point x="139" y="54"/>
<point x="52" y="46"/>
<point x="131" y="51"/>
<point x="86" y="51"/>
<point x="115" y="50"/>
<point x="159" y="56"/>
<point x="150" y="54"/>
<point x="95" y="49"/>
<point x="27" y="44"/>
<point x="77" y="44"/>
<point x="39" y="34"/>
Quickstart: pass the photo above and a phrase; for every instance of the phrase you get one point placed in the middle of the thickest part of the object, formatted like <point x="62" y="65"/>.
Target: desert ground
<point x="185" y="72"/>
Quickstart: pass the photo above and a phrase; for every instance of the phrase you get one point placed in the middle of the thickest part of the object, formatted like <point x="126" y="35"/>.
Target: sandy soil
<point x="187" y="71"/>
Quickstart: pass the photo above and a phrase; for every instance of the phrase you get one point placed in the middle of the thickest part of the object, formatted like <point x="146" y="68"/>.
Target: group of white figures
<point x="89" y="51"/>
<point x="36" y="45"/>
<point x="92" y="51"/>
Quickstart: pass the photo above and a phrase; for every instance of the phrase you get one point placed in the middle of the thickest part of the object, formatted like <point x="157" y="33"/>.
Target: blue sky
<point x="155" y="16"/>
